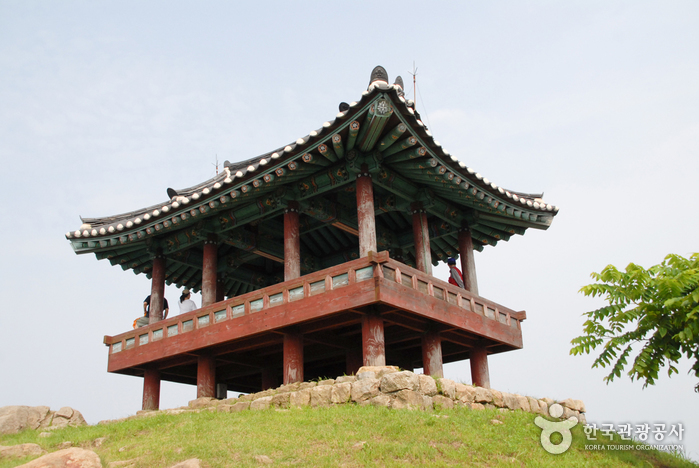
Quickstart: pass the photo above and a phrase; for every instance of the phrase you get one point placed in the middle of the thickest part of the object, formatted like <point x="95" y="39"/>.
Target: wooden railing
<point x="339" y="276"/>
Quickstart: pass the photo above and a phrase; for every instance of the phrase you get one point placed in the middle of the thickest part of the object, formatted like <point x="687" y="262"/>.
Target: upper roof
<point x="242" y="206"/>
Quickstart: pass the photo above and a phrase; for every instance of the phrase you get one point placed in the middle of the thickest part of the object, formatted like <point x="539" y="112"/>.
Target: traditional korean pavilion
<point x="316" y="258"/>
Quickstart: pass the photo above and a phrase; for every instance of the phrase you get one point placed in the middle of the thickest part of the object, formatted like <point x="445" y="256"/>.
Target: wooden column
<point x="468" y="264"/>
<point x="220" y="289"/>
<point x="206" y="376"/>
<point x="365" y="213"/>
<point x="151" y="390"/>
<point x="292" y="242"/>
<point x="157" y="289"/>
<point x="208" y="273"/>
<point x="479" y="367"/>
<point x="421" y="234"/>
<point x="373" y="344"/>
<point x="353" y="361"/>
<point x="432" y="354"/>
<point x="293" y="358"/>
<point x="269" y="378"/>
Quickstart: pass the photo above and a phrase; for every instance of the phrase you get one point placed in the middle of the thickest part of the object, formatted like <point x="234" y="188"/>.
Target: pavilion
<point x="316" y="258"/>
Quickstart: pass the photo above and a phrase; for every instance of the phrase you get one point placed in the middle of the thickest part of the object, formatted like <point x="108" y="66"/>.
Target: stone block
<point x="575" y="405"/>
<point x="428" y="386"/>
<point x="498" y="399"/>
<point x="65" y="412"/>
<point x="74" y="457"/>
<point x="447" y="387"/>
<point x="327" y="382"/>
<point x="442" y="402"/>
<point x="466" y="393"/>
<point x="408" y="399"/>
<point x="261" y="403"/>
<point x="21" y="451"/>
<point x="280" y="400"/>
<point x="509" y="400"/>
<point x="203" y="402"/>
<point x="548" y="401"/>
<point x="379" y="371"/>
<point x="396" y="381"/>
<point x="543" y="407"/>
<point x="341" y="392"/>
<point x="364" y="389"/>
<point x="300" y="398"/>
<point x="366" y="375"/>
<point x="477" y="406"/>
<point x="346" y="378"/>
<point x="240" y="406"/>
<point x="534" y="405"/>
<point x="288" y="388"/>
<point x="381" y="400"/>
<point x="305" y="385"/>
<point x="320" y="395"/>
<point x="17" y="418"/>
<point x="483" y="395"/>
<point x="522" y="403"/>
<point x="427" y="402"/>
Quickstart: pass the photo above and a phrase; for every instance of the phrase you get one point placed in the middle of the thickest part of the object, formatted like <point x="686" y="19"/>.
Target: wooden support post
<point x="220" y="289"/>
<point x="468" y="264"/>
<point x="353" y="359"/>
<point x="292" y="242"/>
<point x="221" y="391"/>
<point x="421" y="234"/>
<point x="208" y="273"/>
<point x="151" y="390"/>
<point x="373" y="343"/>
<point x="206" y="376"/>
<point x="432" y="354"/>
<point x="479" y="367"/>
<point x="293" y="358"/>
<point x="365" y="213"/>
<point x="157" y="289"/>
<point x="269" y="378"/>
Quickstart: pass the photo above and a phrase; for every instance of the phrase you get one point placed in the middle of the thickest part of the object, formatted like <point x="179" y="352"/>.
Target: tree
<point x="657" y="308"/>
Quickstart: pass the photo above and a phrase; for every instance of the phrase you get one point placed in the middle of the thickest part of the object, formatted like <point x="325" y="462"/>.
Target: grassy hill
<point x="337" y="436"/>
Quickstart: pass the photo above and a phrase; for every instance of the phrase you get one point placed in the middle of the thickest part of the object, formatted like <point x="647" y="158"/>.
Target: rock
<point x="261" y="403"/>
<point x="543" y="407"/>
<point x="300" y="398"/>
<point x="263" y="459"/>
<point x="576" y="405"/>
<point x="534" y="405"/>
<point x="45" y="434"/>
<point x="65" y="445"/>
<point x="346" y="378"/>
<point x="240" y="406"/>
<point x="548" y="401"/>
<point x="442" y="402"/>
<point x="21" y="451"/>
<point x="180" y="410"/>
<point x="280" y="400"/>
<point x="427" y="402"/>
<point x="483" y="395"/>
<point x="522" y="403"/>
<point x="379" y="371"/>
<point x="465" y="393"/>
<point x="495" y="422"/>
<point x="305" y="385"/>
<point x="380" y="400"/>
<point x="359" y="445"/>
<point x="123" y="463"/>
<point x="498" y="398"/>
<point x="509" y="400"/>
<point x="341" y="392"/>
<point x="364" y="389"/>
<point x="202" y="402"/>
<point x="65" y="412"/>
<point x="191" y="463"/>
<point x="288" y="388"/>
<point x="448" y="387"/>
<point x="14" y="419"/>
<point x="408" y="399"/>
<point x="98" y="441"/>
<point x="327" y="382"/>
<point x="396" y="381"/>
<point x="72" y="457"/>
<point x="320" y="395"/>
<point x="477" y="406"/>
<point x="428" y="386"/>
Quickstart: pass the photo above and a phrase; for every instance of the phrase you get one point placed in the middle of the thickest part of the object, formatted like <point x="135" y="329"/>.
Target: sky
<point x="106" y="104"/>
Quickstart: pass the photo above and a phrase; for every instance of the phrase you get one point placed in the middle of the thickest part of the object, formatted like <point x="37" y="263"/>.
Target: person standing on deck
<point x="186" y="303"/>
<point x="455" y="276"/>
<point x="143" y="321"/>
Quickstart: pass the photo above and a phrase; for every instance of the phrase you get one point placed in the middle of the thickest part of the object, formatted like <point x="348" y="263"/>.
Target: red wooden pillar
<point x="365" y="213"/>
<point x="373" y="344"/>
<point x="157" y="289"/>
<point x="432" y="354"/>
<point x="479" y="367"/>
<point x="206" y="376"/>
<point x="293" y="358"/>
<point x="208" y="273"/>
<point x="353" y="361"/>
<point x="151" y="390"/>
<point x="292" y="242"/>
<point x="468" y="264"/>
<point x="421" y="235"/>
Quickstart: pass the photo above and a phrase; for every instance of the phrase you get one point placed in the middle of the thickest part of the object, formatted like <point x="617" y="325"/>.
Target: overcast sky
<point x="103" y="105"/>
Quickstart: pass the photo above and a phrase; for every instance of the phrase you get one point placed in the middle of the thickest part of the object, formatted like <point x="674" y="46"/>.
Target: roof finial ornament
<point x="172" y="193"/>
<point x="378" y="75"/>
<point x="399" y="83"/>
<point x="344" y="107"/>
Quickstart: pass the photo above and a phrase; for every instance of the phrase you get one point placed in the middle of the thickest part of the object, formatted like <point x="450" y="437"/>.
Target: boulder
<point x="483" y="395"/>
<point x="300" y="398"/>
<point x="327" y="382"/>
<point x="447" y="387"/>
<point x="260" y="403"/>
<point x="498" y="399"/>
<point x="341" y="392"/>
<point x="280" y="400"/>
<point x="428" y="386"/>
<point x="379" y="400"/>
<point x="465" y="393"/>
<point x="203" y="402"/>
<point x="320" y="395"/>
<point x="21" y="451"/>
<point x="575" y="405"/>
<point x="240" y="406"/>
<point x="442" y="402"/>
<point x="408" y="399"/>
<point x="522" y="403"/>
<point x="396" y="381"/>
<point x="378" y="371"/>
<point x="14" y="419"/>
<point x="364" y="389"/>
<point x="72" y="457"/>
<point x="346" y="378"/>
<point x="477" y="406"/>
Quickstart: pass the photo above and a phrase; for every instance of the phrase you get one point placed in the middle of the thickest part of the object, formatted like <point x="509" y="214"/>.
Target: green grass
<point x="326" y="436"/>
